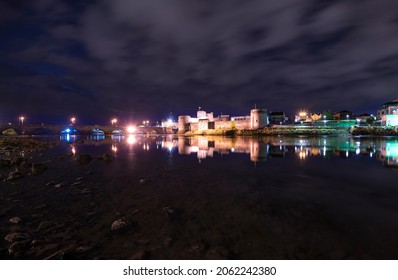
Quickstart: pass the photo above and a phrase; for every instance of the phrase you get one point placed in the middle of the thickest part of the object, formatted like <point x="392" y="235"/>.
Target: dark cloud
<point x="144" y="58"/>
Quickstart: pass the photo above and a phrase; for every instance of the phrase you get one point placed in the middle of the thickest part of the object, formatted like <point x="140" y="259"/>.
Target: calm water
<point x="304" y="149"/>
<point x="244" y="198"/>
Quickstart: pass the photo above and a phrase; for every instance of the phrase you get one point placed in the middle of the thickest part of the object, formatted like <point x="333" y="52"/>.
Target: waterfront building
<point x="204" y="121"/>
<point x="342" y="115"/>
<point x="388" y="113"/>
<point x="277" y="118"/>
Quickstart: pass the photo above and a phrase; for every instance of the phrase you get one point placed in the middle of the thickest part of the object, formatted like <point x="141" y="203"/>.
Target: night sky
<point x="138" y="59"/>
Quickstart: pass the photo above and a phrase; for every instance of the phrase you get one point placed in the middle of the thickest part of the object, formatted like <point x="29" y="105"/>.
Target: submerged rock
<point x="5" y="163"/>
<point x="172" y="214"/>
<point x="44" y="225"/>
<point x="59" y="255"/>
<point x="17" y="248"/>
<point x="108" y="157"/>
<point x="141" y="255"/>
<point x="14" y="175"/>
<point x="83" y="158"/>
<point x="120" y="225"/>
<point x="38" y="168"/>
<point x="143" y="181"/>
<point x="16" y="236"/>
<point x="15" y="220"/>
<point x="60" y="185"/>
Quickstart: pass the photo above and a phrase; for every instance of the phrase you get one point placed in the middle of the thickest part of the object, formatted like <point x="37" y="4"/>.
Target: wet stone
<point x="108" y="157"/>
<point x="172" y="214"/>
<point x="59" y="255"/>
<point x="82" y="249"/>
<point x="45" y="225"/>
<point x="38" y="168"/>
<point x="14" y="175"/>
<point x="52" y="183"/>
<point x="120" y="225"/>
<point x="85" y="191"/>
<point x="15" y="220"/>
<point x="16" y="236"/>
<point x="18" y="248"/>
<point x="141" y="255"/>
<point x="5" y="163"/>
<point x="60" y="185"/>
<point x="83" y="158"/>
<point x="143" y="181"/>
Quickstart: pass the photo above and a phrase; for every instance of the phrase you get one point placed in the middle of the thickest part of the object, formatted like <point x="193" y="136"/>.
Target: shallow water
<point x="213" y="198"/>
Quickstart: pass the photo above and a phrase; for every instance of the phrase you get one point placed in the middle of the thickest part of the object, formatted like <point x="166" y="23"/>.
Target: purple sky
<point x="138" y="59"/>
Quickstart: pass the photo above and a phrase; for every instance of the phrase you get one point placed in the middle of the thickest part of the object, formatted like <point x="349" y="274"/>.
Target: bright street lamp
<point x="21" y="119"/>
<point x="114" y="121"/>
<point x="72" y="120"/>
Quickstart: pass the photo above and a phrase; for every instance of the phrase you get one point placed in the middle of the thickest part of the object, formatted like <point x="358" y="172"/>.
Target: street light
<point x="72" y="120"/>
<point x="21" y="119"/>
<point x="114" y="121"/>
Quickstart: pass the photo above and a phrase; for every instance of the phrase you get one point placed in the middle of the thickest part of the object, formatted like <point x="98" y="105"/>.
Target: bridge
<point x="43" y="129"/>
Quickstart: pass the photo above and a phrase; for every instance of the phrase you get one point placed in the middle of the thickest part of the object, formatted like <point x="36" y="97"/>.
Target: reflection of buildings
<point x="388" y="154"/>
<point x="205" y="147"/>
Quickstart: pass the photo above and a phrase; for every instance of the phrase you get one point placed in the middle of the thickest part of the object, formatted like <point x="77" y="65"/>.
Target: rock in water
<point x="83" y="158"/>
<point x="44" y="225"/>
<point x="17" y="247"/>
<point x="60" y="185"/>
<point x="38" y="168"/>
<point x="108" y="157"/>
<point x="120" y="225"/>
<point x="15" y="220"/>
<point x="143" y="181"/>
<point x="59" y="255"/>
<point x="5" y="163"/>
<point x="14" y="175"/>
<point x="16" y="236"/>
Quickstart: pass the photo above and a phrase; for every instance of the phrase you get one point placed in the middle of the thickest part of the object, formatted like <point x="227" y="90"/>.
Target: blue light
<point x="67" y="130"/>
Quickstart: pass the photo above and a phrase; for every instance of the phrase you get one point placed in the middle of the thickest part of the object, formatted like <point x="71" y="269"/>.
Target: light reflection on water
<point x="258" y="149"/>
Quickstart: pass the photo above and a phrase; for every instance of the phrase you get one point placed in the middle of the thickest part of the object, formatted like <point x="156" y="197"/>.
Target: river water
<point x="225" y="198"/>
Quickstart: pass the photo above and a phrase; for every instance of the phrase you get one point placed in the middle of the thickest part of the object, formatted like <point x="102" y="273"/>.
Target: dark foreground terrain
<point x="151" y="203"/>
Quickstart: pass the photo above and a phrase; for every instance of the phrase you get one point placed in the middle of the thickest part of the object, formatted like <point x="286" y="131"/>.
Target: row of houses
<point x="387" y="115"/>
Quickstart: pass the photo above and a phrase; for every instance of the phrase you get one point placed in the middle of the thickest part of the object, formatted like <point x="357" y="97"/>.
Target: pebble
<point x="38" y="168"/>
<point x="14" y="175"/>
<point x="17" y="247"/>
<point x="59" y="255"/>
<point x="82" y="249"/>
<point x="108" y="157"/>
<point x="120" y="224"/>
<point x="60" y="185"/>
<point x="141" y="255"/>
<point x="143" y="181"/>
<point x="45" y="225"/>
<point x="15" y="220"/>
<point x="83" y="158"/>
<point x="52" y="183"/>
<point x="16" y="236"/>
<point x="85" y="191"/>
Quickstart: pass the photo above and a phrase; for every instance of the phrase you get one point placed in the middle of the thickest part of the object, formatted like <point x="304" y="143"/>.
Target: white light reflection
<point x="131" y="140"/>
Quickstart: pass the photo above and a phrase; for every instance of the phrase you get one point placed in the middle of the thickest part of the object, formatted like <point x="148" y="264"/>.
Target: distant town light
<point x="130" y="129"/>
<point x="114" y="121"/>
<point x="170" y="121"/>
<point x="72" y="120"/>
<point x="21" y="119"/>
